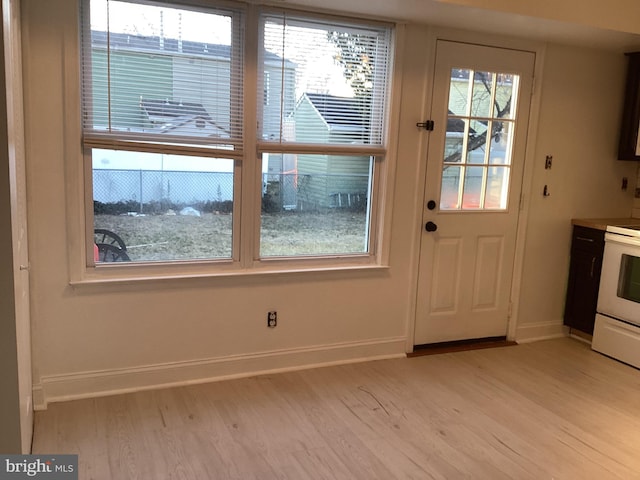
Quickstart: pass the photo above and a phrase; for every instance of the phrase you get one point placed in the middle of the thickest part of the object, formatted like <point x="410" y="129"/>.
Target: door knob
<point x="430" y="227"/>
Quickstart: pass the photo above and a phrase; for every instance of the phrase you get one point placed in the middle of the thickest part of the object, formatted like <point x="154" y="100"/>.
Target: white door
<point x="475" y="164"/>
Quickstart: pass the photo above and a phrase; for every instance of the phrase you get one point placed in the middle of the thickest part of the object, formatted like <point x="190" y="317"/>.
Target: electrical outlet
<point x="272" y="319"/>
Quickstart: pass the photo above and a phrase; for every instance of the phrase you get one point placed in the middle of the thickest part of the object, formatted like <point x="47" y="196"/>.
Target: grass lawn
<point x="177" y="237"/>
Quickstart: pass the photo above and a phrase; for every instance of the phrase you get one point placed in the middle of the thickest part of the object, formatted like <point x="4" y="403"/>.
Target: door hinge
<point x="427" y="125"/>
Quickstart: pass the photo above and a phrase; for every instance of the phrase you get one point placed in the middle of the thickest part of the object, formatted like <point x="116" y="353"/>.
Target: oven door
<point x="619" y="294"/>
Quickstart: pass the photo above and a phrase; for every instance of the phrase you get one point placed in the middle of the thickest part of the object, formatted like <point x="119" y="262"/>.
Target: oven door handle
<point x="622" y="239"/>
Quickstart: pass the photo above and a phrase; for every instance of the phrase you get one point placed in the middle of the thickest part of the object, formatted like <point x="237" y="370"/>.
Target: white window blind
<point x="159" y="78"/>
<point x="332" y="79"/>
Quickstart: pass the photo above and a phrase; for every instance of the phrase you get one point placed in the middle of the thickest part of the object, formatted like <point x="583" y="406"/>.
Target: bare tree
<point x="356" y="59"/>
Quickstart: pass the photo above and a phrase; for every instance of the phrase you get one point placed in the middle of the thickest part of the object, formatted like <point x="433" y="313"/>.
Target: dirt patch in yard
<point x="209" y="236"/>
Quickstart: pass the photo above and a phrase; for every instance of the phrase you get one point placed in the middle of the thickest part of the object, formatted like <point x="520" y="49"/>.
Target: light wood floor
<point x="547" y="410"/>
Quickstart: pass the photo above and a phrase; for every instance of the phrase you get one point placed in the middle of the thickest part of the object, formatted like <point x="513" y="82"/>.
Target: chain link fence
<point x="154" y="191"/>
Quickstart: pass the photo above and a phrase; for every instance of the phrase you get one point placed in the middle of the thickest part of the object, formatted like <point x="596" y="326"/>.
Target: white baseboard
<point x="58" y="388"/>
<point x="534" y="332"/>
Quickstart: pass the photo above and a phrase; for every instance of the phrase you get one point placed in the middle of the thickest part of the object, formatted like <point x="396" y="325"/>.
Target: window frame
<point x="245" y="258"/>
<point x="377" y="151"/>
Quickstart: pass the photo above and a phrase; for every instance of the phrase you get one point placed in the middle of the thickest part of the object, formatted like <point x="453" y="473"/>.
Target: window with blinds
<point x="162" y="126"/>
<point x="331" y="72"/>
<point x="322" y="139"/>
<point x="158" y="74"/>
<point x="165" y="133"/>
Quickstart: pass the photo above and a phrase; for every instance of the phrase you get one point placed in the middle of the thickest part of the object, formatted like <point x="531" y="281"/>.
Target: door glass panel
<point x="500" y="145"/>
<point x="483" y="85"/>
<point x="479" y="140"/>
<point x="497" y="188"/>
<point x="472" y="191"/>
<point x="459" y="91"/>
<point x="454" y="142"/>
<point x="506" y="95"/>
<point x="449" y="199"/>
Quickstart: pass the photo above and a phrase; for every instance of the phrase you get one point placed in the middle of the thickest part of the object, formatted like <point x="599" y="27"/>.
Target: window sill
<point x="127" y="275"/>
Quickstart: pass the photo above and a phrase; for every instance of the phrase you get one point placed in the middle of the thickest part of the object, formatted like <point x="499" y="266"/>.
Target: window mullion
<point x="139" y="143"/>
<point x="251" y="186"/>
<point x="337" y="149"/>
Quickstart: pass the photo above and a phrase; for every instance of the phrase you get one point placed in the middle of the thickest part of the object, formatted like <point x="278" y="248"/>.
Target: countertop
<point x="601" y="223"/>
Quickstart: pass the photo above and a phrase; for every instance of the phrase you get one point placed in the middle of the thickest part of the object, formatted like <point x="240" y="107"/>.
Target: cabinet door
<point x="629" y="148"/>
<point x="587" y="249"/>
<point x="582" y="293"/>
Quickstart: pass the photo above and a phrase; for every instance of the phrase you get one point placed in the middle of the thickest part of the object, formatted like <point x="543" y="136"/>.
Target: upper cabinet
<point x="629" y="148"/>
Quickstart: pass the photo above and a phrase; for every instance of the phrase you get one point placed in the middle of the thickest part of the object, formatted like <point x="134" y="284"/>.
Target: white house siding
<point x="324" y="179"/>
<point x="312" y="169"/>
<point x="348" y="181"/>
<point x="277" y="98"/>
<point x="204" y="81"/>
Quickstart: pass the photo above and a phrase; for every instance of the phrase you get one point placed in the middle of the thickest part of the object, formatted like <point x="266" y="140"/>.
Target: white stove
<point x="627" y="230"/>
<point x="617" y="327"/>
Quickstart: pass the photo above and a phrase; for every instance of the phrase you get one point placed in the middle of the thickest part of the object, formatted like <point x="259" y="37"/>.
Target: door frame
<point x="489" y="40"/>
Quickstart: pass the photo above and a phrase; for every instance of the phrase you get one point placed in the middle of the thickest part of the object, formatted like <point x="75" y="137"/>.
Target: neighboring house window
<point x="164" y="133"/>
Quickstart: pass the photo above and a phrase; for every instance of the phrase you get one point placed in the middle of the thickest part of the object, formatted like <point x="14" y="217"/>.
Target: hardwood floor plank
<point x="552" y="409"/>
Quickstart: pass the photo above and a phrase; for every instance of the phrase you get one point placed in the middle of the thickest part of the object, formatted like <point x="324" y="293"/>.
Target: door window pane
<point x="500" y="143"/>
<point x="497" y="188"/>
<point x="472" y="191"/>
<point x="454" y="142"/>
<point x="483" y="84"/>
<point x="506" y="96"/>
<point x="477" y="140"/>
<point x="449" y="197"/>
<point x="459" y="92"/>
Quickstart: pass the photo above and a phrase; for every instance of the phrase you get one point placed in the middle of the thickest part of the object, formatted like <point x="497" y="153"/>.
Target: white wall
<point x="92" y="340"/>
<point x="580" y="110"/>
<point x="178" y="330"/>
<point x="620" y="15"/>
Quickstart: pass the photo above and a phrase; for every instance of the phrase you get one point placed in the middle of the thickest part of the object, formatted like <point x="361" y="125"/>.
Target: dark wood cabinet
<point x="587" y="248"/>
<point x="629" y="148"/>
